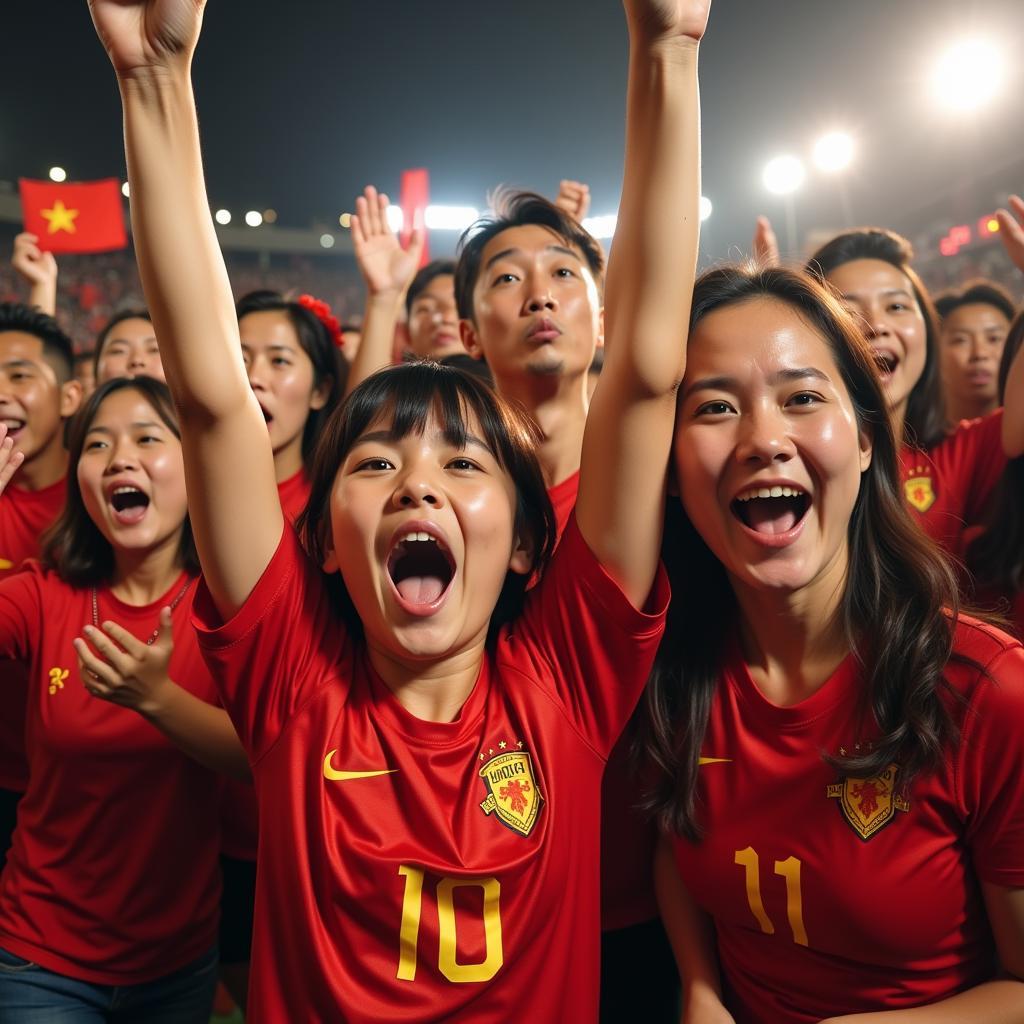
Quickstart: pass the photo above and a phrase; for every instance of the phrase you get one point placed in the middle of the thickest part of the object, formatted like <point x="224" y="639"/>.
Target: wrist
<point x="387" y="300"/>
<point x="145" y="83"/>
<point x="154" y="706"/>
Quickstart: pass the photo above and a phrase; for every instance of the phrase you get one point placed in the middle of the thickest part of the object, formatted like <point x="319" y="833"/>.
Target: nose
<point x="980" y="349"/>
<point x="764" y="437"/>
<point x="123" y="456"/>
<point x="875" y="324"/>
<point x="415" y="488"/>
<point x="137" y="361"/>
<point x="255" y="374"/>
<point x="539" y="297"/>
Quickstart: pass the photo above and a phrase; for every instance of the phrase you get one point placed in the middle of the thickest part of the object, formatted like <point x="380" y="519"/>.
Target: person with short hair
<point x="126" y="347"/>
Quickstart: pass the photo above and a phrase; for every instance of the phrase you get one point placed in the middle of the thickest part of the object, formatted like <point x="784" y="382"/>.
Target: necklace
<point x="156" y="632"/>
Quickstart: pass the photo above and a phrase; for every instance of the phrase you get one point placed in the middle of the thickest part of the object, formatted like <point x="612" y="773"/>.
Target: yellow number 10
<point x="789" y="869"/>
<point x="447" y="964"/>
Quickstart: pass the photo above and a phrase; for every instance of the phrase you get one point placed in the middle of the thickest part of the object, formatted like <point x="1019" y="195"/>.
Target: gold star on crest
<point x="60" y="218"/>
<point x="502" y="745"/>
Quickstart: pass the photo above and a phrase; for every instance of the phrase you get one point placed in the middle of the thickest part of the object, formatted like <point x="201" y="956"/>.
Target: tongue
<point x="421" y="589"/>
<point x="771" y="515"/>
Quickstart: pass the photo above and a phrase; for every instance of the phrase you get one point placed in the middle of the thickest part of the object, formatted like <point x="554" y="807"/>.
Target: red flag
<point x="81" y="216"/>
<point x="415" y="196"/>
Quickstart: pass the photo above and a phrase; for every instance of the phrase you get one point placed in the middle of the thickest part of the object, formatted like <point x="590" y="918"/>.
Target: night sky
<point x="304" y="102"/>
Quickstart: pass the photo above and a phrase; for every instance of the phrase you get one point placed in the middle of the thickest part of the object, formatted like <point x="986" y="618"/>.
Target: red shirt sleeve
<point x="598" y="647"/>
<point x="972" y="458"/>
<point x="20" y="611"/>
<point x="990" y="777"/>
<point x="282" y="645"/>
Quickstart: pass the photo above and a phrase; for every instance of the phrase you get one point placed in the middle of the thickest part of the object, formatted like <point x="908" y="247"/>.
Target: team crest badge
<point x="919" y="492"/>
<point x="869" y="804"/>
<point x="512" y="791"/>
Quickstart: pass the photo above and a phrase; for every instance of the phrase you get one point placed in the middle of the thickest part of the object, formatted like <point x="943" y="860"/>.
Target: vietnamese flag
<point x="84" y="216"/>
<point x="415" y="189"/>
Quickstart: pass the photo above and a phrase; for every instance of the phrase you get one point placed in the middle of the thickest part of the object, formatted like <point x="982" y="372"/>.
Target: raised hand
<point x="1011" y="231"/>
<point x="387" y="268"/>
<point x="10" y="460"/>
<point x="668" y="19"/>
<point x="766" y="245"/>
<point x="37" y="268"/>
<point x="141" y="35"/>
<point x="574" y="198"/>
<point x="130" y="673"/>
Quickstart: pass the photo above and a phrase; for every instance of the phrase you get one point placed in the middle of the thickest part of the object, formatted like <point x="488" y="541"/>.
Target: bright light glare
<point x="254" y="218"/>
<point x="58" y="174"/>
<point x="783" y="175"/>
<point x="270" y="216"/>
<point x="126" y="190"/>
<point x="833" y="152"/>
<point x="450" y="218"/>
<point x="395" y="218"/>
<point x="345" y="220"/>
<point x="222" y="216"/>
<point x="601" y="227"/>
<point x="327" y="241"/>
<point x="705" y="208"/>
<point x="968" y="75"/>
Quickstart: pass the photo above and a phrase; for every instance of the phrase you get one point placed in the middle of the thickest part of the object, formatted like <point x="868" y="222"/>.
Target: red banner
<point x="76" y="217"/>
<point x="415" y="197"/>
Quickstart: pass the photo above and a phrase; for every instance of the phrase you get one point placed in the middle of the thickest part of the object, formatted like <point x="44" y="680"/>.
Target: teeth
<point x="126" y="490"/>
<point x="769" y="492"/>
<point x="418" y="536"/>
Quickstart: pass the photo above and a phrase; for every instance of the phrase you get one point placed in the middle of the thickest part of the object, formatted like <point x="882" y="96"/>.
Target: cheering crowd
<point x="586" y="642"/>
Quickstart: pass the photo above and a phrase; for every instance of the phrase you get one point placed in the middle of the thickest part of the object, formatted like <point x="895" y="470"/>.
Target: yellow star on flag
<point x="60" y="218"/>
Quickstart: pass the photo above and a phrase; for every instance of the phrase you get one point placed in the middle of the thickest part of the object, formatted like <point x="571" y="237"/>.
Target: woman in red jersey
<point x="427" y="759"/>
<point x="837" y="750"/>
<point x="947" y="477"/>
<point x="109" y="901"/>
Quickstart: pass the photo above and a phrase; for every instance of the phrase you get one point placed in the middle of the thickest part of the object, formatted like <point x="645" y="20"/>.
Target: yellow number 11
<point x="789" y="869"/>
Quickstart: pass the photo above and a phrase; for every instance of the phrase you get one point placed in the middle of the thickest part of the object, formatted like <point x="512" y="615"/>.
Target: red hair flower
<point x="323" y="313"/>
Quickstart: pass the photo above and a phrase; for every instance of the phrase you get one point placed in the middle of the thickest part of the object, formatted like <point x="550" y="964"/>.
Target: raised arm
<point x="1011" y="233"/>
<point x="388" y="270"/>
<point x="647" y="302"/>
<point x="38" y="270"/>
<point x="233" y="502"/>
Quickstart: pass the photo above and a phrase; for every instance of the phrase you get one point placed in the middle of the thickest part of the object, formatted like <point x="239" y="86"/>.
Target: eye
<point x="20" y="375"/>
<point x="715" y="408"/>
<point x="506" y="278"/>
<point x="280" y="361"/>
<point x="94" y="445"/>
<point x="462" y="464"/>
<point x="564" y="272"/>
<point x="150" y="438"/>
<point x="898" y="307"/>
<point x="805" y="399"/>
<point x="375" y="465"/>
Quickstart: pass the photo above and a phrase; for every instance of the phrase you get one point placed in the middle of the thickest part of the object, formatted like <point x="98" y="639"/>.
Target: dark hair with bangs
<point x="134" y="313"/>
<point x="979" y="292"/>
<point x="896" y="604"/>
<point x="925" y="423"/>
<point x="406" y="396"/>
<point x="57" y="348"/>
<point x="436" y="268"/>
<point x="515" y="210"/>
<point x="328" y="364"/>
<point x="73" y="546"/>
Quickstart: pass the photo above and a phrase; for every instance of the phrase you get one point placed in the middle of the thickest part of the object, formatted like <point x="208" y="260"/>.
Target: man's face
<point x="536" y="307"/>
<point x="434" y="320"/>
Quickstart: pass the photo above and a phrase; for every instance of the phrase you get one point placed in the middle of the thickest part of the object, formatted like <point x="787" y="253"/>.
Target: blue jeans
<point x="30" y="994"/>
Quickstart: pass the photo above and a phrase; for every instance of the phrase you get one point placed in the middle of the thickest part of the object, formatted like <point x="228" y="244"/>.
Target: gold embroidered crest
<point x="869" y="804"/>
<point x="512" y="789"/>
<point x="919" y="492"/>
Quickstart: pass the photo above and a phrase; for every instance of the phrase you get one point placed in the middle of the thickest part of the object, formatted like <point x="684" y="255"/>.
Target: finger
<point x="133" y="647"/>
<point x="114" y="655"/>
<point x="416" y="241"/>
<point x="372" y="211"/>
<point x="1017" y="205"/>
<point x="355" y="225"/>
<point x="165" y="630"/>
<point x="1010" y="231"/>
<point x="96" y="674"/>
<point x="382" y="211"/>
<point x="10" y="462"/>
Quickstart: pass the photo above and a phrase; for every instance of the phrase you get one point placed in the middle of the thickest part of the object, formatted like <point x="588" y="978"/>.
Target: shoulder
<point x="987" y="667"/>
<point x="971" y="434"/>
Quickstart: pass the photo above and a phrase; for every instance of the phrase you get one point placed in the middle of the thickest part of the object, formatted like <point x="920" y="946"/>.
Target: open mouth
<point x="771" y="511"/>
<point x="14" y="426"/>
<point x="267" y="417"/>
<point x="886" y="361"/>
<point x="129" y="504"/>
<point x="421" y="568"/>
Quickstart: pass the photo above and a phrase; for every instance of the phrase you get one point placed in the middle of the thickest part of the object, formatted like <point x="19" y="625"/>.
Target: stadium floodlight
<point x="396" y="219"/>
<point x="222" y="217"/>
<point x="450" y="218"/>
<point x="345" y="220"/>
<point x="603" y="226"/>
<point x="326" y="241"/>
<point x="58" y="174"/>
<point x="833" y="152"/>
<point x="126" y="190"/>
<point x="968" y="75"/>
<point x="705" y="208"/>
<point x="783" y="175"/>
<point x="270" y="216"/>
<point x="254" y="218"/>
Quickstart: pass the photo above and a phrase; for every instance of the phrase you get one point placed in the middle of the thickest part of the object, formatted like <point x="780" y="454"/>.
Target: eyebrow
<point x="888" y="293"/>
<point x="564" y="250"/>
<point x="387" y="437"/>
<point x="137" y="425"/>
<point x="786" y="376"/>
<point x="14" y="364"/>
<point x="277" y="347"/>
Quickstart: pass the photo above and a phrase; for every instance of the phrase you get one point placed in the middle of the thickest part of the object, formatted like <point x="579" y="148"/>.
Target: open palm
<point x="140" y="34"/>
<point x="669" y="19"/>
<point x="385" y="265"/>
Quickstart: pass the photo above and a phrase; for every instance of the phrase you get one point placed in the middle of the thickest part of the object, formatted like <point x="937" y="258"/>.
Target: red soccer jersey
<point x="426" y="870"/>
<point x="112" y="877"/>
<point x="950" y="485"/>
<point x="838" y="896"/>
<point x="293" y="494"/>
<point x="563" y="500"/>
<point x="24" y="515"/>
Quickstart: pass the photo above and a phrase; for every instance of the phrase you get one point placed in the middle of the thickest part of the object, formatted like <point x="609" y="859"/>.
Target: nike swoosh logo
<point x="714" y="760"/>
<point x="339" y="776"/>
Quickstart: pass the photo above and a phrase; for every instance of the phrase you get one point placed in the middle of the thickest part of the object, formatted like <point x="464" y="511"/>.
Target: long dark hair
<point x="405" y="397"/>
<point x="328" y="364"/>
<point x="896" y="605"/>
<point x="73" y="546"/>
<point x="996" y="557"/>
<point x="925" y="423"/>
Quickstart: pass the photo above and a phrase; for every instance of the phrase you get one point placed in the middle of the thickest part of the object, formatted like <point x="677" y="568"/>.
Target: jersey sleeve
<point x="279" y="648"/>
<point x="991" y="781"/>
<point x="973" y="457"/>
<point x="20" y="613"/>
<point x="599" y="648"/>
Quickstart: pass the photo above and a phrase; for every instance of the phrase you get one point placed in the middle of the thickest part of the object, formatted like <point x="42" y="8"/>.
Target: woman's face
<point x="281" y="376"/>
<point x="881" y="298"/>
<point x="131" y="474"/>
<point x="423" y="533"/>
<point x="768" y="456"/>
<point x="130" y="350"/>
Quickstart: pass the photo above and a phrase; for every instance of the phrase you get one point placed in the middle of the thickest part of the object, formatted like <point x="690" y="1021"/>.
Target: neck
<point x="793" y="642"/>
<point x="142" y="577"/>
<point x="969" y="408"/>
<point x="44" y="469"/>
<point x="558" y="405"/>
<point x="288" y="460"/>
<point x="433" y="692"/>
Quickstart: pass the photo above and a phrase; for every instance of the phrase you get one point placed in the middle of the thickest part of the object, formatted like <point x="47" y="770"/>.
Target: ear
<point x="866" y="443"/>
<point x="70" y="398"/>
<point x="521" y="561"/>
<point x="318" y="399"/>
<point x="470" y="339"/>
<point x="600" y="328"/>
